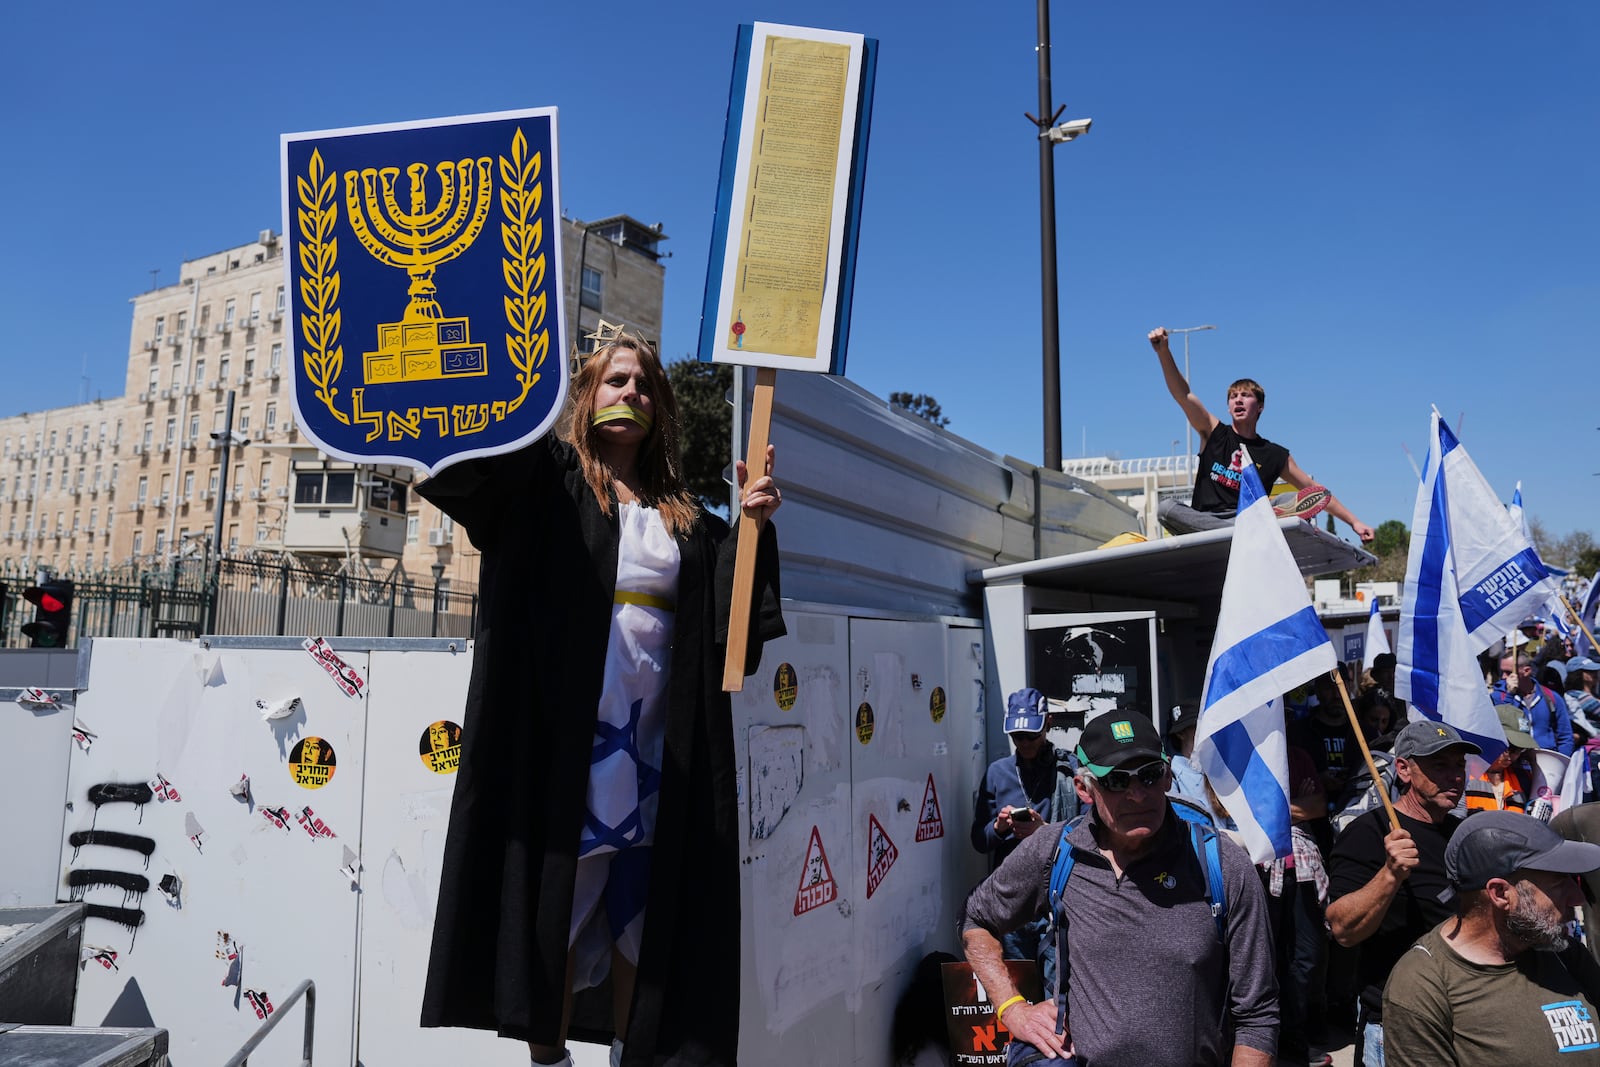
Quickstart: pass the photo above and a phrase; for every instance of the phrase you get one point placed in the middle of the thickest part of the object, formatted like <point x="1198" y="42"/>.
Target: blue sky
<point x="1379" y="211"/>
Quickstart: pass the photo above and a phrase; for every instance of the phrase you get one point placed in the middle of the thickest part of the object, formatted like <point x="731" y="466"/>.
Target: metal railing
<point x="307" y="989"/>
<point x="246" y="597"/>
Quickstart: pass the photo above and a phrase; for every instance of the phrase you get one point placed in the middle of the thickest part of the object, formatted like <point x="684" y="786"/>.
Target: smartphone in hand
<point x="1021" y="815"/>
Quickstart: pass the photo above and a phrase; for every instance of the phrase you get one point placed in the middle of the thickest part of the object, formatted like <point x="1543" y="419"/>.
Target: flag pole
<point x="1579" y="616"/>
<point x="1361" y="739"/>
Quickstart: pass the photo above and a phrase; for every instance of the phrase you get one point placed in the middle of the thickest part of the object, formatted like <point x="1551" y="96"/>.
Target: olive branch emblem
<point x="522" y="235"/>
<point x="323" y="356"/>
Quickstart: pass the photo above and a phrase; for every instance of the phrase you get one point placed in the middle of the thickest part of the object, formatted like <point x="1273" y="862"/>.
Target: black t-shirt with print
<point x="1216" y="483"/>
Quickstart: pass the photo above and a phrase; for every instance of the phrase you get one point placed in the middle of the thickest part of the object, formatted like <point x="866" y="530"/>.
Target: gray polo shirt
<point x="1147" y="981"/>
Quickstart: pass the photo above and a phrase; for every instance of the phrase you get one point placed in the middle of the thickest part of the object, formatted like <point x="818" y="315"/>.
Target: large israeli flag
<point x="1268" y="642"/>
<point x="1500" y="579"/>
<point x="1377" y="641"/>
<point x="1470" y="577"/>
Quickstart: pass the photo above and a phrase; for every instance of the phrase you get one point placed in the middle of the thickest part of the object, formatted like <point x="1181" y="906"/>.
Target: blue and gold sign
<point x="424" y="282"/>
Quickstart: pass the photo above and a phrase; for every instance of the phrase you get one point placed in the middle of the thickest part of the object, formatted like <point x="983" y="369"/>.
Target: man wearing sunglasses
<point x="1139" y="933"/>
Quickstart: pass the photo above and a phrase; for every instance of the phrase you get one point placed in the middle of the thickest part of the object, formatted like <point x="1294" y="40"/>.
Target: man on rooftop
<point x="1216" y="482"/>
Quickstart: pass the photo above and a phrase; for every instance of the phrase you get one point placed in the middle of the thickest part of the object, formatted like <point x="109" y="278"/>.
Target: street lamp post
<point x="1050" y="135"/>
<point x="1188" y="448"/>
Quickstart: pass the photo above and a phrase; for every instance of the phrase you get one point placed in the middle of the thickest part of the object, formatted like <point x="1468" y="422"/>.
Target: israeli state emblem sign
<point x="424" y="282"/>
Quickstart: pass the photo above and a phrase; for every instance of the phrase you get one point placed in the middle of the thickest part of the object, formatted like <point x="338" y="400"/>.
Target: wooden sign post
<point x="782" y="264"/>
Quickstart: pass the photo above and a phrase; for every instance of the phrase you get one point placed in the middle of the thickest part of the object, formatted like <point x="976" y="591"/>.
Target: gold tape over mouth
<point x="620" y="413"/>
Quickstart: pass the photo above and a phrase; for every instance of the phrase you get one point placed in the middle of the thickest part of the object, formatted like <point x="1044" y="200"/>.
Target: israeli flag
<point x="1586" y="614"/>
<point x="1469" y="578"/>
<point x="1554" y="611"/>
<point x="1268" y="642"/>
<point x="1377" y="641"/>
<point x="1500" y="579"/>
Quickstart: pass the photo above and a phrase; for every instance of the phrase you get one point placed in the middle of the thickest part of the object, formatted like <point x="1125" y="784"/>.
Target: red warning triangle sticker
<point x="931" y="824"/>
<point x="881" y="854"/>
<point x="817" y="886"/>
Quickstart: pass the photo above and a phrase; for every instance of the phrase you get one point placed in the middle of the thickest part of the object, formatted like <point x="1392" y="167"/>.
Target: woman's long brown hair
<point x="660" y="454"/>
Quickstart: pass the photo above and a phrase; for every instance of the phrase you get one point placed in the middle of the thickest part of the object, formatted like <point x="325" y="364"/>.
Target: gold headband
<point x="619" y="413"/>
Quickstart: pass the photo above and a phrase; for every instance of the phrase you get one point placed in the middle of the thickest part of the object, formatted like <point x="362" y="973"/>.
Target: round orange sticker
<point x="312" y="762"/>
<point x="440" y="747"/>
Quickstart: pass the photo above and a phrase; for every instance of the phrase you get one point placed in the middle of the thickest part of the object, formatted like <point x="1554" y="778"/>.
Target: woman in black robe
<point x="546" y="521"/>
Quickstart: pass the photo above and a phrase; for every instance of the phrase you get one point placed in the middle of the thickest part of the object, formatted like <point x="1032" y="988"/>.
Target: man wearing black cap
<point x="1139" y="932"/>
<point x="1499" y="984"/>
<point x="1388" y="887"/>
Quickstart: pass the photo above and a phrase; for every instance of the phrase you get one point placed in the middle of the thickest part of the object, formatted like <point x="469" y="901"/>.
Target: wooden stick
<point x="1361" y="739"/>
<point x="1594" y="646"/>
<point x="744" y="564"/>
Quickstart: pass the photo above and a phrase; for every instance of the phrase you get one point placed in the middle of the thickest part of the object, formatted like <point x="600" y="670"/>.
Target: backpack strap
<point x="1206" y="848"/>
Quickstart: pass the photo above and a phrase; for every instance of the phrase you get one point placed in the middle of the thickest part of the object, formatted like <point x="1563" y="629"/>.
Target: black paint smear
<point x="132" y="885"/>
<point x="112" y="839"/>
<point x="120" y="793"/>
<point x="131" y="918"/>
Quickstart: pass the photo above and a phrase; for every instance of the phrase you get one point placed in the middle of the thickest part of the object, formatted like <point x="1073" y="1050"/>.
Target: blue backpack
<point x="1202" y="837"/>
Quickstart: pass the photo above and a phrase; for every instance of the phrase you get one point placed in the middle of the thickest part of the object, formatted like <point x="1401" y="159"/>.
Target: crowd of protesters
<point x="1394" y="909"/>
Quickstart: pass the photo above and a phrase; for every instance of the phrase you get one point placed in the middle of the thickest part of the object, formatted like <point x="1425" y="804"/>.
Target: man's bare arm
<point x="1245" y="1056"/>
<point x="1200" y="418"/>
<point x="1033" y="1023"/>
<point x="1295" y="476"/>
<point x="1356" y="916"/>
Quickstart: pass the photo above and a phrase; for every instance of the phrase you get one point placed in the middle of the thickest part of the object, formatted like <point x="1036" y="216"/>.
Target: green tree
<point x="1390" y="536"/>
<point x="922" y="406"/>
<point x="1391" y="543"/>
<point x="707" y="417"/>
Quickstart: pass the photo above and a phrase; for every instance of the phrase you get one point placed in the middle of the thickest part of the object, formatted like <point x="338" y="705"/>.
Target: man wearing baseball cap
<point x="1141" y="936"/>
<point x="1388" y="887"/>
<point x="1022" y="791"/>
<point x="1498" y="983"/>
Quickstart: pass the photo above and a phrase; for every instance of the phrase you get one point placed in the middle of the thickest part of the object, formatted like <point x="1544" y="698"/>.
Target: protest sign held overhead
<point x="424" y="283"/>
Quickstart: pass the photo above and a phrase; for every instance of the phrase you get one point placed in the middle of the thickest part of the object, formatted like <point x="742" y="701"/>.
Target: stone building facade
<point x="134" y="481"/>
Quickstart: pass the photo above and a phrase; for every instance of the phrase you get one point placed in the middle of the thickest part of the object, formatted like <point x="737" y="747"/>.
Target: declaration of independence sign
<point x="424" y="279"/>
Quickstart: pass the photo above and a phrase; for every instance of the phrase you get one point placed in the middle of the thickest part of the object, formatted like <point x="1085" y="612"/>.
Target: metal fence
<point x="248" y="597"/>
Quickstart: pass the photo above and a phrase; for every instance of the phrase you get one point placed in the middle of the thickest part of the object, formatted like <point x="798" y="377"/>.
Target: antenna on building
<point x="83" y="381"/>
<point x="155" y="272"/>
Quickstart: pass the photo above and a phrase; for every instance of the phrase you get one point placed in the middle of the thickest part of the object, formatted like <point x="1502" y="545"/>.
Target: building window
<point x="224" y="364"/>
<point x="325" y="487"/>
<point x="233" y="538"/>
<point x="388" y="494"/>
<point x="138" y="542"/>
<point x="144" y="490"/>
<point x="69" y="436"/>
<point x="205" y="316"/>
<point x="172" y="433"/>
<point x="589" y="297"/>
<point x="255" y="307"/>
<point x="194" y="430"/>
<point x="266" y="475"/>
<point x="211" y="482"/>
<point x="48" y="475"/>
<point x="275" y="357"/>
<point x="155" y="380"/>
<point x="161" y="327"/>
<point x="270" y="421"/>
<point x="188" y="484"/>
<point x="228" y="311"/>
<point x="199" y="372"/>
<point x="93" y="513"/>
<point x="244" y="420"/>
<point x="277" y="302"/>
<point x="413" y="525"/>
<point x="161" y="541"/>
<point x="249" y="363"/>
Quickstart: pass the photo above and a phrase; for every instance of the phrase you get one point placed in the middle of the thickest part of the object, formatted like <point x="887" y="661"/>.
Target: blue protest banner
<point x="424" y="279"/>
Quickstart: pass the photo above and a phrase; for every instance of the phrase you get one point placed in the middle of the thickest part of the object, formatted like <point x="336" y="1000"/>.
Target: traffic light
<point x="52" y="613"/>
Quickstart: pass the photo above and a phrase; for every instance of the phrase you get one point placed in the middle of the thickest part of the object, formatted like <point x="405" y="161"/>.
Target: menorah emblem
<point x="425" y="344"/>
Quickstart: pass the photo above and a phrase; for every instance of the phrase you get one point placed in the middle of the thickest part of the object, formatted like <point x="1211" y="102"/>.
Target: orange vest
<point x="1484" y="795"/>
